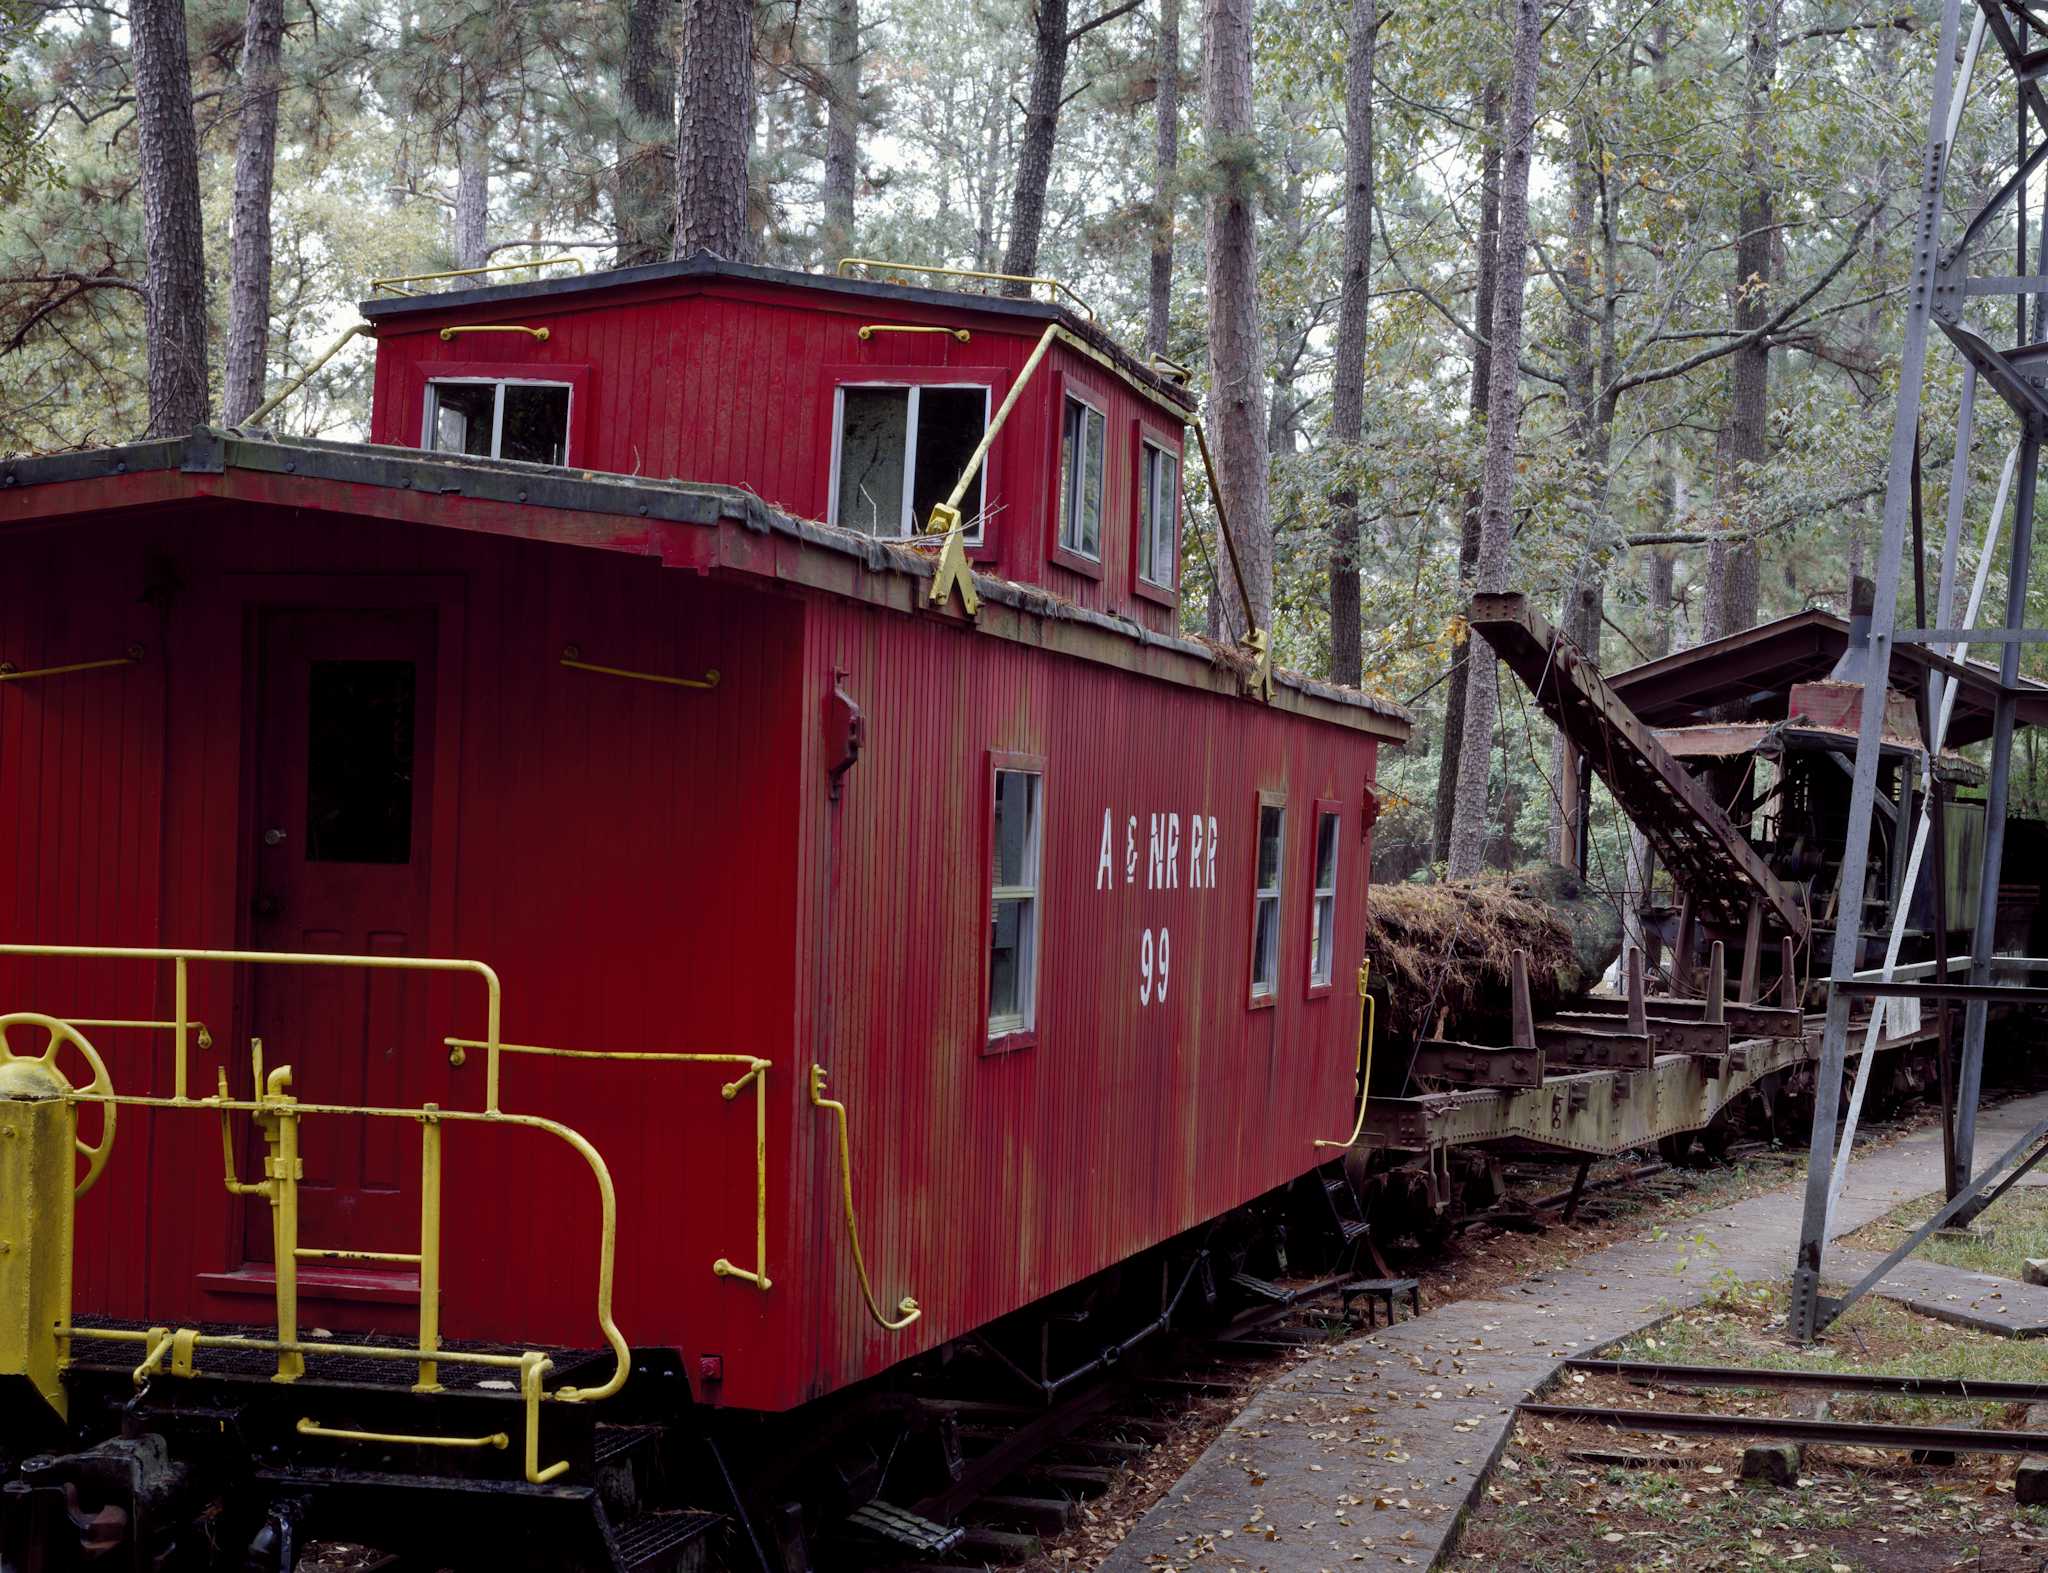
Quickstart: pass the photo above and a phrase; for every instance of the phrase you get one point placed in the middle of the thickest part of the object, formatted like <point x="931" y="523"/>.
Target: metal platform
<point x="571" y="1367"/>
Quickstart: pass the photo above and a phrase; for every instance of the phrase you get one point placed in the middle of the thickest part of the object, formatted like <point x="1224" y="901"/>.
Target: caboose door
<point x="343" y="787"/>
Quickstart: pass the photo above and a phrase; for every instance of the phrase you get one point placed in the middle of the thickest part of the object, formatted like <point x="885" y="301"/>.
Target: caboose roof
<point x="578" y="290"/>
<point x="680" y="524"/>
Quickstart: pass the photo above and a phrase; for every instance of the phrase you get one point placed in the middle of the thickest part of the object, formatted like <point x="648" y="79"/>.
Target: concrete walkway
<point x="1366" y="1455"/>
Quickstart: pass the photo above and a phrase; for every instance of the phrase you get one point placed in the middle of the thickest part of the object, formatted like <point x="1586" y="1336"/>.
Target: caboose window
<point x="1322" y="917"/>
<point x="1082" y="430"/>
<point x="900" y="451"/>
<point x="1158" y="510"/>
<point x="359" y="762"/>
<point x="499" y="420"/>
<point x="1013" y="905"/>
<point x="1266" y="901"/>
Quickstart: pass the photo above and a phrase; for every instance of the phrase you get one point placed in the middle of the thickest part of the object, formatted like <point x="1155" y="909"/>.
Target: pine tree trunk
<point x="1732" y="591"/>
<point x="175" y="271"/>
<point x="842" y="129"/>
<point x="1347" y="375"/>
<point x="1458" y="684"/>
<point x="1503" y="425"/>
<point x="644" y="217"/>
<point x="1659" y="574"/>
<point x="1588" y="332"/>
<point x="1237" y="362"/>
<point x="1165" y="191"/>
<point x="1287" y="223"/>
<point x="1041" y="129"/>
<point x="255" y="166"/>
<point x="472" y="190"/>
<point x="715" y="129"/>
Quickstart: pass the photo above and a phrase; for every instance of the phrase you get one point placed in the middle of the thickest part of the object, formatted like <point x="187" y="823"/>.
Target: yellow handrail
<point x="1368" y="1008"/>
<point x="308" y="1426"/>
<point x="285" y="958"/>
<point x="204" y="1037"/>
<point x="870" y="329"/>
<point x="305" y="376"/>
<point x="278" y="1101"/>
<point x="392" y="285"/>
<point x="1055" y="285"/>
<point x="539" y="335"/>
<point x="756" y="1072"/>
<point x="572" y="657"/>
<point x="10" y="673"/>
<point x="946" y="515"/>
<point x="907" y="1309"/>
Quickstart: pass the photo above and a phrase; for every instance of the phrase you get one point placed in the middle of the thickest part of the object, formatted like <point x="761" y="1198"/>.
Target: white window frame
<point x="906" y="525"/>
<point x="1025" y="1018"/>
<point x="497" y="409"/>
<point x="1070" y="502"/>
<point x="1148" y="529"/>
<point x="1322" y="909"/>
<point x="1265" y="897"/>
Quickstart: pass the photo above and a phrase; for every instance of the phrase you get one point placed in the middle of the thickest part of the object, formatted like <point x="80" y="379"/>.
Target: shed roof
<point x="1750" y="674"/>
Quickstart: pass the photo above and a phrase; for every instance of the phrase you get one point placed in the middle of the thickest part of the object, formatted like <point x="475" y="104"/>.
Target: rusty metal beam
<point x="1594" y="1048"/>
<point x="1478" y="1065"/>
<point x="1708" y="856"/>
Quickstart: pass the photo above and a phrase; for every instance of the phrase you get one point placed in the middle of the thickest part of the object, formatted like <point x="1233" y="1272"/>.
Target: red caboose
<point x="603" y="780"/>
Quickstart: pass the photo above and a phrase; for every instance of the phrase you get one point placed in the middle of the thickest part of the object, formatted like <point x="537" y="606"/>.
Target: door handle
<point x="273" y="838"/>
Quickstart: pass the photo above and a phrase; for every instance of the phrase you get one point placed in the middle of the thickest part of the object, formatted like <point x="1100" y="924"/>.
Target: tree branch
<point x="1757" y="334"/>
<point x="1478" y="338"/>
<point x="1904" y="24"/>
<point x="1108" y="16"/>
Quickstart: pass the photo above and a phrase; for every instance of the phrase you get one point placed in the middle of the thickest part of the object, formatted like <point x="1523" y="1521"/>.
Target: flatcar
<point x="562" y="960"/>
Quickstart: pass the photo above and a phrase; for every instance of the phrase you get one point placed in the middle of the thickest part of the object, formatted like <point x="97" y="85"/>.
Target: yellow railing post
<point x="532" y="1367"/>
<point x="1368" y="1011"/>
<point x="282" y="1170"/>
<point x="38" y="1138"/>
<point x="181" y="1001"/>
<point x="907" y="1308"/>
<point x="430" y="1247"/>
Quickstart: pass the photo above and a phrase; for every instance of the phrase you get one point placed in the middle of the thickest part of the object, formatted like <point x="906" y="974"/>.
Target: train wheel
<point x="1677" y="1148"/>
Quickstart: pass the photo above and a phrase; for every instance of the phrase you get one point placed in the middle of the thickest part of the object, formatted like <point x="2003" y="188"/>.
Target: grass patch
<point x="1855" y="1510"/>
<point x="1743" y="1324"/>
<point x="2015" y="1229"/>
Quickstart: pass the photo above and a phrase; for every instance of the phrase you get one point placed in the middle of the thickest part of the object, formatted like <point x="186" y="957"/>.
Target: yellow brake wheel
<point x="56" y="1036"/>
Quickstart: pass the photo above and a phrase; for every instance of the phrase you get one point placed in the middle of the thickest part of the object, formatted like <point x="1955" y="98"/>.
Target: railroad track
<point x="1030" y="1472"/>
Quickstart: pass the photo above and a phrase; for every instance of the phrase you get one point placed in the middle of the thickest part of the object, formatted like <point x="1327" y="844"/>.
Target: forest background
<point x="1716" y="235"/>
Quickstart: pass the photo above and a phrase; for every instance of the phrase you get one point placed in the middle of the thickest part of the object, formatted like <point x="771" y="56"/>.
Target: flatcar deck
<point x="1596" y="1113"/>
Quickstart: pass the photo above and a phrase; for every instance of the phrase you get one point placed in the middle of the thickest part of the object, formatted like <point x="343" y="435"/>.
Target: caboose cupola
<point x="865" y="404"/>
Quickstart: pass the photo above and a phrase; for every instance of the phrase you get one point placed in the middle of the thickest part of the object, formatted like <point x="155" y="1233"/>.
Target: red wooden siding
<point x="731" y="383"/>
<point x="655" y="868"/>
<point x="986" y="1181"/>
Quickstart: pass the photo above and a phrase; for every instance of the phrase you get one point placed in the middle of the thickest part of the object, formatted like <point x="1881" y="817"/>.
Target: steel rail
<point x="1786" y="1428"/>
<point x="1728" y="1376"/>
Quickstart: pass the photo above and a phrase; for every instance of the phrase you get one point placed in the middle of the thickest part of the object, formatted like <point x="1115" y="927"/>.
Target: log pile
<point x="1440" y="952"/>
